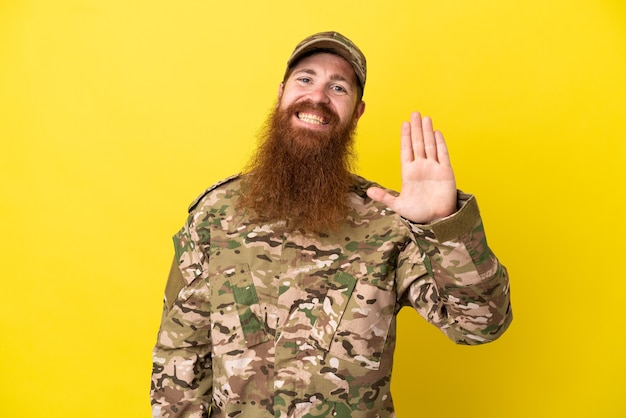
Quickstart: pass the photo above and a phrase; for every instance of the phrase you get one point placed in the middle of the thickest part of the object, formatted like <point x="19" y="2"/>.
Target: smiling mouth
<point x="311" y="118"/>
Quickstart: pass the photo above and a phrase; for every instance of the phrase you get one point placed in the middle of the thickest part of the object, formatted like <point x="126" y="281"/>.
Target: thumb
<point x="379" y="195"/>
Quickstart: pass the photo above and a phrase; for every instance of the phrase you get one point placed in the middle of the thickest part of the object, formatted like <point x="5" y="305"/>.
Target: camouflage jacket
<point x="261" y="321"/>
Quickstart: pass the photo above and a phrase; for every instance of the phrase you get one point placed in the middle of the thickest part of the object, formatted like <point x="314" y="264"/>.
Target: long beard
<point x="301" y="175"/>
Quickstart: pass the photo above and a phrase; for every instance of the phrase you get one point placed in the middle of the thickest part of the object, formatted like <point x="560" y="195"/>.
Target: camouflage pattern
<point x="262" y="321"/>
<point x="336" y="42"/>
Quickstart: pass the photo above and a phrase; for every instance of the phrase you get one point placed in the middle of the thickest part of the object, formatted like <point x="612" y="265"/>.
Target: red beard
<point x="301" y="175"/>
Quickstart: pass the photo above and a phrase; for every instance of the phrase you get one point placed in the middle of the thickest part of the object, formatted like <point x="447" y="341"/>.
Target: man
<point x="286" y="282"/>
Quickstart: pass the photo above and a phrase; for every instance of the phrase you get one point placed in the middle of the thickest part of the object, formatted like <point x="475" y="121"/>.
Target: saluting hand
<point x="428" y="186"/>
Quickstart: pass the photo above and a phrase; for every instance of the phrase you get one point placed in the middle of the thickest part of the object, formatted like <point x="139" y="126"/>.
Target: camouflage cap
<point x="337" y="43"/>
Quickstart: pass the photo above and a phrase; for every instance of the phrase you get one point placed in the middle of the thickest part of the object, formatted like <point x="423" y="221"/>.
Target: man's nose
<point x="319" y="95"/>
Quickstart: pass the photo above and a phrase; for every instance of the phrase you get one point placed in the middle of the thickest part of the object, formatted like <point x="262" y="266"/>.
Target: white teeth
<point x="309" y="118"/>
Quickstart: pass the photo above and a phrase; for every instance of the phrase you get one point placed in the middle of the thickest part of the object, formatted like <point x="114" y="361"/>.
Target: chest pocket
<point x="236" y="318"/>
<point x="329" y="312"/>
<point x="354" y="319"/>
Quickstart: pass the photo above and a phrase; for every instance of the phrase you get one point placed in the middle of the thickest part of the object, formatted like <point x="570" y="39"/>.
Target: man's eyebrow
<point x="339" y="77"/>
<point x="305" y="70"/>
<point x="334" y="77"/>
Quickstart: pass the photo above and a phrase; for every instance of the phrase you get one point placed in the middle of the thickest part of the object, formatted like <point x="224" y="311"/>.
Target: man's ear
<point x="281" y="87"/>
<point x="360" y="109"/>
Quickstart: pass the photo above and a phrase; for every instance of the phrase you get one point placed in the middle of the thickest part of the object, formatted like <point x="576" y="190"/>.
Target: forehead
<point x="324" y="62"/>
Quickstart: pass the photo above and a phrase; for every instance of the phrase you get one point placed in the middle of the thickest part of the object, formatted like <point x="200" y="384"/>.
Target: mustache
<point x="321" y="108"/>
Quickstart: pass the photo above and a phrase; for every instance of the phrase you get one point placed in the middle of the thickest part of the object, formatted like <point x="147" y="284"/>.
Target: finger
<point x="406" y="147"/>
<point x="442" y="149"/>
<point x="379" y="195"/>
<point x="430" y="145"/>
<point x="417" y="137"/>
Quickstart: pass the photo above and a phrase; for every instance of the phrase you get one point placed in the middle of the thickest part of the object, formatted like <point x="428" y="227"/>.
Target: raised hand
<point x="428" y="186"/>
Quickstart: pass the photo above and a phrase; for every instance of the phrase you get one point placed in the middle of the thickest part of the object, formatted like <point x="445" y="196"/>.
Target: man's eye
<point x="339" y="89"/>
<point x="305" y="80"/>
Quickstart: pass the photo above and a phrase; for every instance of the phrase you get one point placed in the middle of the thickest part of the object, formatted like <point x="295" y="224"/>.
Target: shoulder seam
<point x="195" y="202"/>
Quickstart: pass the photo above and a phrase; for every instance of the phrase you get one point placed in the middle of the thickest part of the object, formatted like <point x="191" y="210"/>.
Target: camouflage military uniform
<point x="262" y="321"/>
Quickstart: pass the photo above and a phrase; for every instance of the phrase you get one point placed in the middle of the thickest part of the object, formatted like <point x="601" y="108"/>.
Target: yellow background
<point x="115" y="114"/>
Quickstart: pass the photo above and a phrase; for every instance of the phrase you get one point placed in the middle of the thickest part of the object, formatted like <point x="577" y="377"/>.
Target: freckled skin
<point x="323" y="78"/>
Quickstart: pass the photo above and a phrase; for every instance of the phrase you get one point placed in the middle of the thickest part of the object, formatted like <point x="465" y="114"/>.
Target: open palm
<point x="428" y="186"/>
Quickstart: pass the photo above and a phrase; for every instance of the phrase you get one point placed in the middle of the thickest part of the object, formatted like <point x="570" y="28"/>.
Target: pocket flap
<point x="236" y="316"/>
<point x="248" y="308"/>
<point x="328" y="314"/>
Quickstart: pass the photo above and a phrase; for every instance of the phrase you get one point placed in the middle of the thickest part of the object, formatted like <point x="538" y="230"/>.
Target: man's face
<point x="301" y="171"/>
<point x="321" y="93"/>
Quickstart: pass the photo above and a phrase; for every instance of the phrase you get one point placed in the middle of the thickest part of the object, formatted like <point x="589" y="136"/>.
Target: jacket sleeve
<point x="182" y="373"/>
<point x="465" y="289"/>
